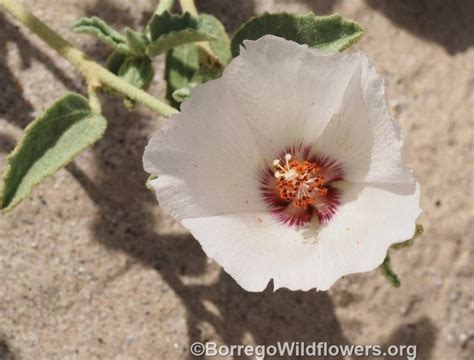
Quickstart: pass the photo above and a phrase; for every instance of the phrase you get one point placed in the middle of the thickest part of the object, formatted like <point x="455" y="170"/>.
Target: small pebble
<point x="455" y="295"/>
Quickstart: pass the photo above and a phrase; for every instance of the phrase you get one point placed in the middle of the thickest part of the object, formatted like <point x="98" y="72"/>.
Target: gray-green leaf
<point x="201" y="76"/>
<point x="115" y="61"/>
<point x="329" y="33"/>
<point x="178" y="30"/>
<point x="181" y="65"/>
<point x="221" y="44"/>
<point x="136" y="42"/>
<point x="104" y="32"/>
<point x="137" y="71"/>
<point x="183" y="94"/>
<point x="174" y="39"/>
<point x="183" y="70"/>
<point x="50" y="142"/>
<point x="161" y="24"/>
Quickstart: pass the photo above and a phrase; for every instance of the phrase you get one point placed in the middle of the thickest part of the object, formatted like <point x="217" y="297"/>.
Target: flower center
<point x="299" y="182"/>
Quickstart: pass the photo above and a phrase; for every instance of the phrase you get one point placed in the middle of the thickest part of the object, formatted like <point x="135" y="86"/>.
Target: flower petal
<point x="361" y="231"/>
<point x="363" y="136"/>
<point x="287" y="91"/>
<point x="206" y="158"/>
<point x="254" y="248"/>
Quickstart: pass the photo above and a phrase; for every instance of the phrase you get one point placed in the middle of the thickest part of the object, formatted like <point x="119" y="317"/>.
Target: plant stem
<point x="206" y="55"/>
<point x="164" y="5"/>
<point x="94" y="100"/>
<point x="93" y="72"/>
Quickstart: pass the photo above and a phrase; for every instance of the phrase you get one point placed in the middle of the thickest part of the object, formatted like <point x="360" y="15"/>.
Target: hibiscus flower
<point x="288" y="167"/>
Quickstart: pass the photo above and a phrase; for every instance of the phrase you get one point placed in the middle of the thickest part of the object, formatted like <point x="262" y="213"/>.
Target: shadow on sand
<point x="449" y="23"/>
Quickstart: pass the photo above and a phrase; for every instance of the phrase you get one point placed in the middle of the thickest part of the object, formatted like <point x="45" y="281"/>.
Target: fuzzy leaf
<point x="221" y="44"/>
<point x="113" y="64"/>
<point x="50" y="142"/>
<point x="181" y="65"/>
<point x="182" y="70"/>
<point x="104" y="32"/>
<point x="115" y="61"/>
<point x="137" y="71"/>
<point x="165" y="23"/>
<point x="183" y="94"/>
<point x="168" y="31"/>
<point x="201" y="76"/>
<point x="176" y="38"/>
<point x="136" y="42"/>
<point x="329" y="33"/>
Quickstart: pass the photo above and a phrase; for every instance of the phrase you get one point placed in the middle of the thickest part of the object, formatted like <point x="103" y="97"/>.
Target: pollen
<point x="299" y="182"/>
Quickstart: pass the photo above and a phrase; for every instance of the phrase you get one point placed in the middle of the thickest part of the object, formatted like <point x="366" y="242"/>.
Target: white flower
<point x="288" y="167"/>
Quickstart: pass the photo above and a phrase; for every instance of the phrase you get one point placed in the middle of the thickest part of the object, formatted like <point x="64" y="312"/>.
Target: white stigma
<point x="284" y="171"/>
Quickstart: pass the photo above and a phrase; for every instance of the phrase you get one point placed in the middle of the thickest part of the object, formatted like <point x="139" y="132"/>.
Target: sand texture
<point x="91" y="268"/>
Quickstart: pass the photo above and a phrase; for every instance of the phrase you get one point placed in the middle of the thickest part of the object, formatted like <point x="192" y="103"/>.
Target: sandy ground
<point x="90" y="268"/>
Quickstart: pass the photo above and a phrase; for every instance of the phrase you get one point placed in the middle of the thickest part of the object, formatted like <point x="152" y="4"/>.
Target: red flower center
<point x="301" y="185"/>
<point x="299" y="182"/>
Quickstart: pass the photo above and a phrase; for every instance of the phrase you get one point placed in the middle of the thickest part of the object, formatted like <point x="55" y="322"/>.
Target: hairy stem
<point x="94" y="100"/>
<point x="93" y="72"/>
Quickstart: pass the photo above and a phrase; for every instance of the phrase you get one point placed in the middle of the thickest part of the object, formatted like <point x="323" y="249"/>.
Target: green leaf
<point x="183" y="94"/>
<point x="137" y="71"/>
<point x="50" y="142"/>
<point x="221" y="44"/>
<point x="174" y="39"/>
<point x="113" y="64"/>
<point x="165" y="23"/>
<point x="182" y="68"/>
<point x="115" y="61"/>
<point x="104" y="32"/>
<point x="136" y="42"/>
<point x="329" y="33"/>
<point x="389" y="274"/>
<point x="169" y="31"/>
<point x="201" y="76"/>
